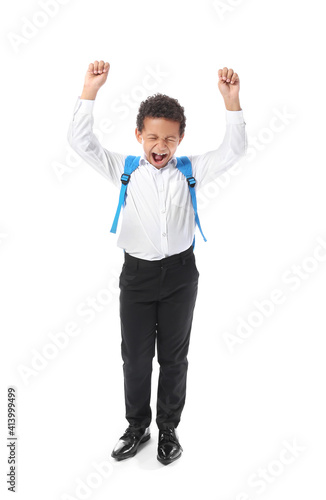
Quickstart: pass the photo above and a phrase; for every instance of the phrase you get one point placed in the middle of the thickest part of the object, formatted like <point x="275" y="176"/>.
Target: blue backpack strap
<point x="131" y="163"/>
<point x="184" y="165"/>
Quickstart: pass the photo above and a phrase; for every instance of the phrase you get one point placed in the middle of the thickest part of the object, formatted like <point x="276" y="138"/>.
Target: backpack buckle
<point x="125" y="178"/>
<point x="191" y="181"/>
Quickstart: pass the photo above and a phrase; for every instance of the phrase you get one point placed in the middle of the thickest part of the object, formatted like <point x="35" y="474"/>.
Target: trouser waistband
<point x="137" y="263"/>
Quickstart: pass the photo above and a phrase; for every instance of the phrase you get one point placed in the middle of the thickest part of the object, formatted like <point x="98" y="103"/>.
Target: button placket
<point x="162" y="208"/>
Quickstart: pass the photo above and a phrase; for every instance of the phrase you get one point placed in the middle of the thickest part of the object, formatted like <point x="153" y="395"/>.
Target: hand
<point x="228" y="84"/>
<point x="95" y="77"/>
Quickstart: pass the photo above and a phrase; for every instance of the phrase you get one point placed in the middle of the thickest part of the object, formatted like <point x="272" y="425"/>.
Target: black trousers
<point x="157" y="300"/>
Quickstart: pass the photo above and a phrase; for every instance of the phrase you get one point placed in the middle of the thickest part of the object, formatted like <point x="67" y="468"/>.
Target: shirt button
<point x="164" y="234"/>
<point x="163" y="211"/>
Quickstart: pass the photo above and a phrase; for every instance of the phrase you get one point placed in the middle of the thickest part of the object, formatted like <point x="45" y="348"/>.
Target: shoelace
<point x="168" y="435"/>
<point x="132" y="432"/>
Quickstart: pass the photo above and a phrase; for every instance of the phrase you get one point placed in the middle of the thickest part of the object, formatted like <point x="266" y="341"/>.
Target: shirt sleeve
<point x="84" y="142"/>
<point x="209" y="166"/>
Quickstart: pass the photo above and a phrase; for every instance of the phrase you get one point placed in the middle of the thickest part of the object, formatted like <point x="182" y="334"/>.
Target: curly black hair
<point x="161" y="106"/>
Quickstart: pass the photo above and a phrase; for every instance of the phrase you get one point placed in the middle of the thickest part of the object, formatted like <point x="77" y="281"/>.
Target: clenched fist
<point x="95" y="77"/>
<point x="229" y="85"/>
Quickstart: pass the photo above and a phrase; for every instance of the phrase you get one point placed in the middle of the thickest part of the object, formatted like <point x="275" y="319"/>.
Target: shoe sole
<point x="143" y="440"/>
<point x="167" y="461"/>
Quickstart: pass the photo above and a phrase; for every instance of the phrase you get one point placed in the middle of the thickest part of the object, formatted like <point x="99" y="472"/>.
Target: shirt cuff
<point x="234" y="116"/>
<point x="85" y="105"/>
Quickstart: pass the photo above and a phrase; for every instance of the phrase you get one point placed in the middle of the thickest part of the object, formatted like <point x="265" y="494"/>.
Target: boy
<point x="159" y="278"/>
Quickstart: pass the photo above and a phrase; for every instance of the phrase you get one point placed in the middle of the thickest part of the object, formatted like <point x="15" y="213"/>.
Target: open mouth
<point x="159" y="159"/>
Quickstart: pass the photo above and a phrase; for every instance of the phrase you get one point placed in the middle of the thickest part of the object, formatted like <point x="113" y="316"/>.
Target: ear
<point x="138" y="136"/>
<point x="181" y="139"/>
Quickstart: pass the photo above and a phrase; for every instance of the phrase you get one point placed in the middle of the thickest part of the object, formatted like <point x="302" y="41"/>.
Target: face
<point x="160" y="139"/>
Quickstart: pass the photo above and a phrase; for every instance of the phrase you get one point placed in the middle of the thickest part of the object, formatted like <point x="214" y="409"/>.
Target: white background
<point x="244" y="405"/>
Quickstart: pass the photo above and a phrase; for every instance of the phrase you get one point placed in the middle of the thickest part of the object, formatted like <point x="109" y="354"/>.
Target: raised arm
<point x="80" y="133"/>
<point x="210" y="165"/>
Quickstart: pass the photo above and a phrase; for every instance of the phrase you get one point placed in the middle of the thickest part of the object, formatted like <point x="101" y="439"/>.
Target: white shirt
<point x="158" y="218"/>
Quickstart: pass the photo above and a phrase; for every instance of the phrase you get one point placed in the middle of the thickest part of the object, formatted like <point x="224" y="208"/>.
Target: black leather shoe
<point x="169" y="448"/>
<point x="127" y="445"/>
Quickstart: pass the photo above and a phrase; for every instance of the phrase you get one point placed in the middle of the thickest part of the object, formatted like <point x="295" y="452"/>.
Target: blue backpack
<point x="183" y="164"/>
